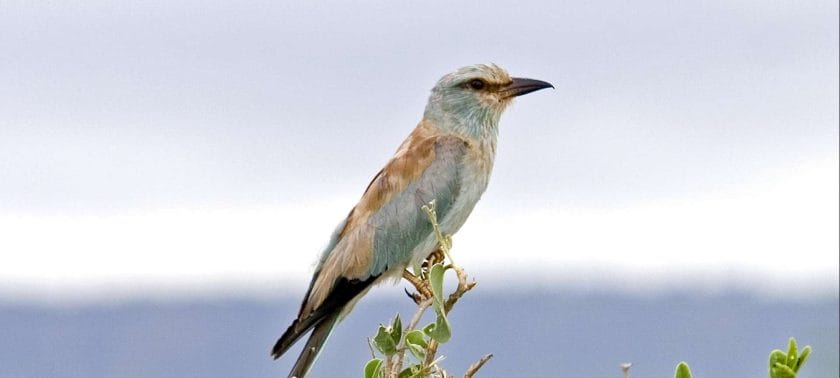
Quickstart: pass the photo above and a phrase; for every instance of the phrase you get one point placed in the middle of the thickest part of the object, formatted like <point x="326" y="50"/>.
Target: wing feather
<point x="381" y="232"/>
<point x="401" y="225"/>
<point x="388" y="223"/>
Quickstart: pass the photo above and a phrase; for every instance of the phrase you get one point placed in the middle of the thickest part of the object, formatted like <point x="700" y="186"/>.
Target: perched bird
<point x="447" y="158"/>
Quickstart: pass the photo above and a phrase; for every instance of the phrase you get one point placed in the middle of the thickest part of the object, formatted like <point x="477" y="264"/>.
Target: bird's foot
<point x="423" y="290"/>
<point x="434" y="258"/>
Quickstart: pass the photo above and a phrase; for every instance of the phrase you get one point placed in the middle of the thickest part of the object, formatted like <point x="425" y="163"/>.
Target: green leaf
<point x="373" y="368"/>
<point x="416" y="343"/>
<point x="776" y="356"/>
<point x="791" y="354"/>
<point x="682" y="371"/>
<point x="782" y="371"/>
<point x="396" y="330"/>
<point x="383" y="341"/>
<point x="416" y="337"/>
<point x="436" y="279"/>
<point x="802" y="358"/>
<point x="439" y="330"/>
<point x="417" y="351"/>
<point x="411" y="371"/>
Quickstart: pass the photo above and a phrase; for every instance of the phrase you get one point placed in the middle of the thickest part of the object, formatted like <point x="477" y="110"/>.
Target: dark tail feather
<point x="323" y="319"/>
<point x="299" y="328"/>
<point x="291" y="336"/>
<point x="313" y="346"/>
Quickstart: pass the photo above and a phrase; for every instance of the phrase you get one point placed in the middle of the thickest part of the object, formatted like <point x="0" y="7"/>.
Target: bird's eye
<point x="476" y="84"/>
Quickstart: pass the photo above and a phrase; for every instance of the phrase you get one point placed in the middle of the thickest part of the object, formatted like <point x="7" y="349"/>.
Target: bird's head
<point x="472" y="99"/>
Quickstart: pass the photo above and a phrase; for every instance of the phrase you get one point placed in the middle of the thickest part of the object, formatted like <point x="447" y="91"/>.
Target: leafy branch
<point x="782" y="365"/>
<point x="417" y="347"/>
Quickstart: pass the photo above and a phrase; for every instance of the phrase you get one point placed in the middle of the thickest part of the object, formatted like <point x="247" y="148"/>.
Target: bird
<point x="447" y="158"/>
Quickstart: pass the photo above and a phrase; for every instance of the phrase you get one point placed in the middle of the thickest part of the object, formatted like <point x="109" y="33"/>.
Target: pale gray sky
<point x="110" y="109"/>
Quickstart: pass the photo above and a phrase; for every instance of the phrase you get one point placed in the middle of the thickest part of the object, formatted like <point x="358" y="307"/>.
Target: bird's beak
<point x="519" y="86"/>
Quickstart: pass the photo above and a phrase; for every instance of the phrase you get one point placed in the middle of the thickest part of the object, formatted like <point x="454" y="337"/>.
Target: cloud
<point x="781" y="232"/>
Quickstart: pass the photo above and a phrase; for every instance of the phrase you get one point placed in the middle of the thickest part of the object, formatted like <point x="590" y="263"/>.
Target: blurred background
<point x="169" y="173"/>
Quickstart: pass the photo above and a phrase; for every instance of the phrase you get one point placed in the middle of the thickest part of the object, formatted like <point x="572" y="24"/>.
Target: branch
<point x="394" y="341"/>
<point x="477" y="365"/>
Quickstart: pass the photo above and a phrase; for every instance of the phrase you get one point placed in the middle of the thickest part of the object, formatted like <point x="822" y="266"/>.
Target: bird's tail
<point x="322" y="320"/>
<point x="313" y="346"/>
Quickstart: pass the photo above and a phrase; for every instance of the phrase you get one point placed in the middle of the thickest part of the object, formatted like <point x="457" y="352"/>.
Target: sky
<point x="209" y="148"/>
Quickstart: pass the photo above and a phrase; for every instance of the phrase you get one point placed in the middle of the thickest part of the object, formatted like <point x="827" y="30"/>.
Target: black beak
<point x="520" y="86"/>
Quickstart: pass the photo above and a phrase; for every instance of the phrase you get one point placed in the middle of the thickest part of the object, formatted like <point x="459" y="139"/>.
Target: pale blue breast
<point x="474" y="172"/>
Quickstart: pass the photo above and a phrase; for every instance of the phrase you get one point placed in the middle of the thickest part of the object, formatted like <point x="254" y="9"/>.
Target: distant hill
<point x="530" y="334"/>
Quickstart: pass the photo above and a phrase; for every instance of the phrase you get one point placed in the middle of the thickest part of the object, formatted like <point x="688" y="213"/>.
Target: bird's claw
<point x="415" y="296"/>
<point x="423" y="290"/>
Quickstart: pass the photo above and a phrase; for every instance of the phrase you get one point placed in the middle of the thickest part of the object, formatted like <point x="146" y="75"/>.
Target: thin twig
<point x="625" y="368"/>
<point x="431" y="350"/>
<point x="423" y="286"/>
<point x="421" y="308"/>
<point x="463" y="287"/>
<point x="397" y="363"/>
<point x="477" y="365"/>
<point x="370" y="346"/>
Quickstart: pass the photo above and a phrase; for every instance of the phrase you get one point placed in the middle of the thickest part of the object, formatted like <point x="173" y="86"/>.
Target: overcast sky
<point x="157" y="144"/>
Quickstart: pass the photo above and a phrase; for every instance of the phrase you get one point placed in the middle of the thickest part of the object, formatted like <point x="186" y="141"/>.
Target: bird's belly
<point x="472" y="188"/>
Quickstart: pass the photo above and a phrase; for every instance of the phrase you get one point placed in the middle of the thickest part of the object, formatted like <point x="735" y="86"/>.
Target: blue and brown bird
<point x="446" y="159"/>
